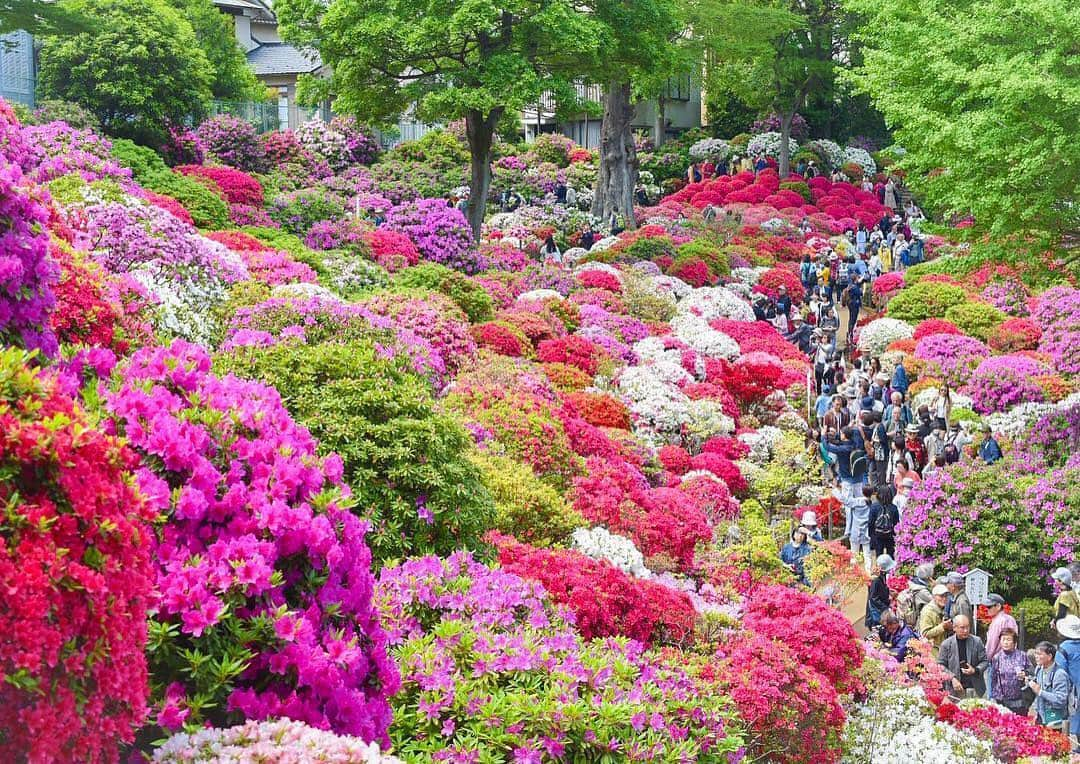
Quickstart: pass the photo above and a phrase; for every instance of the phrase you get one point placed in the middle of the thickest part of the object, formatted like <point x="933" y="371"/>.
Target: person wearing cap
<point x="877" y="600"/>
<point x="800" y="334"/>
<point x="1068" y="601"/>
<point x="914" y="445"/>
<point x="1050" y="685"/>
<point x="964" y="657"/>
<point x="795" y="552"/>
<point x="932" y="624"/>
<point x="1007" y="670"/>
<point x="989" y="450"/>
<point x="999" y="622"/>
<point x="1068" y="658"/>
<point x="958" y="603"/>
<point x="810" y="523"/>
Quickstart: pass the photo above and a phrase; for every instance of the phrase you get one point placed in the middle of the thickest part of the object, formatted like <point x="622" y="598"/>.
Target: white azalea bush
<point x="710" y="148"/>
<point x="601" y="544"/>
<point x="709" y="303"/>
<point x="897" y="726"/>
<point x="659" y="407"/>
<point x="831" y="151"/>
<point x="862" y="158"/>
<point x="703" y="338"/>
<point x="768" y="144"/>
<point x="539" y="295"/>
<point x="881" y="332"/>
<point x="280" y="741"/>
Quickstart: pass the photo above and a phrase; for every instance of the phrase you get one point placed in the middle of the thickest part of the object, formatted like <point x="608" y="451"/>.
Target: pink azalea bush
<point x="440" y="232"/>
<point x="1000" y="382"/>
<point x="259" y="564"/>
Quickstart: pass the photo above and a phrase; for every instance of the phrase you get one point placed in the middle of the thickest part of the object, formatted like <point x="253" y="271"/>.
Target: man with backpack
<point x="884" y="517"/>
<point x="911" y="601"/>
<point x="854" y="295"/>
<point x="808" y="275"/>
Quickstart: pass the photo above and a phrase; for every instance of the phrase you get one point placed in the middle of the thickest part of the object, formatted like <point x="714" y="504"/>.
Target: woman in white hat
<point x="809" y="521"/>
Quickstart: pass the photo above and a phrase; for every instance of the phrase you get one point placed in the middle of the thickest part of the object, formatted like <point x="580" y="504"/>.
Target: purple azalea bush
<point x="234" y="142"/>
<point x="262" y="569"/>
<point x="439" y="231"/>
<point x="952" y="357"/>
<point x="1000" y="382"/>
<point x="1057" y="311"/>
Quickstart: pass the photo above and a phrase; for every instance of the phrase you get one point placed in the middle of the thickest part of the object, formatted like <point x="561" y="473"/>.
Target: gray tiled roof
<point x="282" y="58"/>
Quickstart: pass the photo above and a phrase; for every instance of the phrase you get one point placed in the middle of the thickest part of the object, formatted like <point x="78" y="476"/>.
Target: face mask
<point x="1076" y="587"/>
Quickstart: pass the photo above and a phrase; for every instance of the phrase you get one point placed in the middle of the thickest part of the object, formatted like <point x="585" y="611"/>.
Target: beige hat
<point x="939" y="589"/>
<point x="1069" y="627"/>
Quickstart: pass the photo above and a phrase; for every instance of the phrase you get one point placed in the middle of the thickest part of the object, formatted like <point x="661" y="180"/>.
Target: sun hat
<point x="993" y="599"/>
<point x="1069" y="627"/>
<point x="1063" y="575"/>
<point x="886" y="563"/>
<point x="809" y="518"/>
<point x="939" y="589"/>
<point x="954" y="578"/>
<point x="912" y="429"/>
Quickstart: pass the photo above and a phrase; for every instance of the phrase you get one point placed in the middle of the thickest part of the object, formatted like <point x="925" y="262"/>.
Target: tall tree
<point x="803" y="53"/>
<point x="448" y="59"/>
<point x="985" y="97"/>
<point x="42" y="17"/>
<point x="137" y="70"/>
<point x="232" y="78"/>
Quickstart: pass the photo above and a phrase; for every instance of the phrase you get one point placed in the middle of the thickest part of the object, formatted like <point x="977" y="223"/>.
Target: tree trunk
<point x="618" y="161"/>
<point x="660" y="128"/>
<point x="480" y="131"/>
<point x="786" y="118"/>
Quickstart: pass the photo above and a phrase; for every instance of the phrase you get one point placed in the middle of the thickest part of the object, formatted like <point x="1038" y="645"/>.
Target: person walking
<point x="958" y="604"/>
<point x="883" y="519"/>
<point x="878" y="596"/>
<point x="964" y="657"/>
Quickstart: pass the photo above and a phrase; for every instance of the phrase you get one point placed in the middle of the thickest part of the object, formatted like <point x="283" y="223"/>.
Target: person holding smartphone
<point x="964" y="656"/>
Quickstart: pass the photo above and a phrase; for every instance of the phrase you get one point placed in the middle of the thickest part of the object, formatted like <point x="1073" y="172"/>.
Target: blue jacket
<point x="899" y="379"/>
<point x="1068" y="658"/>
<point x="989" y="451"/>
<point x="1054" y="692"/>
<point x="896" y="645"/>
<point x="843" y="458"/>
<point x="794" y="555"/>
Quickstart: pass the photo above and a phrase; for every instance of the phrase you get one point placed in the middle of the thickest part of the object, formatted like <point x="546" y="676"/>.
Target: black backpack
<point x="858" y="463"/>
<point x="883" y="525"/>
<point x="951" y="453"/>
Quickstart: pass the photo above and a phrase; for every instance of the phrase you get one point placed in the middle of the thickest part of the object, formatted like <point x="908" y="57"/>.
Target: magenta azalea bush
<point x="951" y="357"/>
<point x="27" y="272"/>
<point x="1000" y="382"/>
<point x="232" y="141"/>
<point x="440" y="232"/>
<point x="264" y="580"/>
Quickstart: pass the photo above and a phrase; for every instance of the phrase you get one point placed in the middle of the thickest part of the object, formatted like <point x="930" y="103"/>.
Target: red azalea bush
<point x="235" y="186"/>
<point x="75" y="542"/>
<point x="598" y="279"/>
<point x="573" y="350"/>
<point x="500" y="338"/>
<point x="536" y="321"/>
<point x="755" y="375"/>
<point x="732" y="448"/>
<point x="793" y="711"/>
<point x="774" y="278"/>
<point x="604" y="600"/>
<point x="713" y="496"/>
<point x="1014" y="737"/>
<point x="238" y="241"/>
<point x="935" y="326"/>
<point x="888" y="283"/>
<point x="392" y="250"/>
<point x="85" y="313"/>
<point x="660" y="521"/>
<point x="674" y="459"/>
<point x="1014" y="335"/>
<point x="724" y="468"/>
<point x="693" y="270"/>
<point x="169" y="204"/>
<point x="600" y="409"/>
<point x="827" y="641"/>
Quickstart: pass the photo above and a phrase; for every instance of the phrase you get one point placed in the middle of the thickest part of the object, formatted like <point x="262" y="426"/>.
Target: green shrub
<point x="207" y="209"/>
<point x="73" y="189"/>
<point x="469" y="296"/>
<point x="241" y="295"/>
<point x="711" y="254"/>
<point x="437" y="148"/>
<point x="799" y="188"/>
<point x="297" y="211"/>
<point x="1035" y="613"/>
<point x="407" y="463"/>
<point x="525" y="506"/>
<point x="143" y="162"/>
<point x="54" y="110"/>
<point x="925" y="300"/>
<point x="647" y="248"/>
<point x="976" y="318"/>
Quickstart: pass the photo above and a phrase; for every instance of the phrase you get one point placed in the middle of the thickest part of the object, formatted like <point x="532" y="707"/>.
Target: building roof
<point x="282" y="58"/>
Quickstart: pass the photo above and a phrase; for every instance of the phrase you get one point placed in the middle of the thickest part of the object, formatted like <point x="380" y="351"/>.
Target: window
<point x="283" y="108"/>
<point x="679" y="88"/>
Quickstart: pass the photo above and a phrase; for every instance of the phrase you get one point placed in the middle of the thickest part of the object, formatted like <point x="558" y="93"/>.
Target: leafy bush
<point x="207" y="208"/>
<point x="525" y="506"/>
<point x="261" y="568"/>
<point x="1035" y="614"/>
<point x="298" y="211"/>
<point x="467" y="294"/>
<point x="406" y="463"/>
<point x="976" y="318"/>
<point x="75" y="543"/>
<point x="710" y="253"/>
<point x="437" y="148"/>
<point x="143" y="162"/>
<point x="233" y="142"/>
<point x="925" y="300"/>
<point x="74" y="114"/>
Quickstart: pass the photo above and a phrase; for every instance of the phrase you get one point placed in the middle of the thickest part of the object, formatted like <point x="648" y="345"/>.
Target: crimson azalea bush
<point x="392" y="250"/>
<point x="502" y="338"/>
<point x="572" y="350"/>
<point x="491" y="669"/>
<point x="600" y="409"/>
<point x="75" y="546"/>
<point x="604" y="600"/>
<point x="774" y="278"/>
<point x="1014" y="737"/>
<point x="1014" y="335"/>
<point x="935" y="326"/>
<point x="85" y="312"/>
<point x="235" y="186"/>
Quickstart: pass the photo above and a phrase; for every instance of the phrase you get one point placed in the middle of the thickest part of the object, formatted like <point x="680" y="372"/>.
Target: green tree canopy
<point x="985" y="97"/>
<point x="232" y="79"/>
<point x="448" y="59"/>
<point x="137" y="70"/>
<point x="41" y="17"/>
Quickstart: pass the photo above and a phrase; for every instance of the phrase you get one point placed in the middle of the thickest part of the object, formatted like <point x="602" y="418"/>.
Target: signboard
<point x="977" y="586"/>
